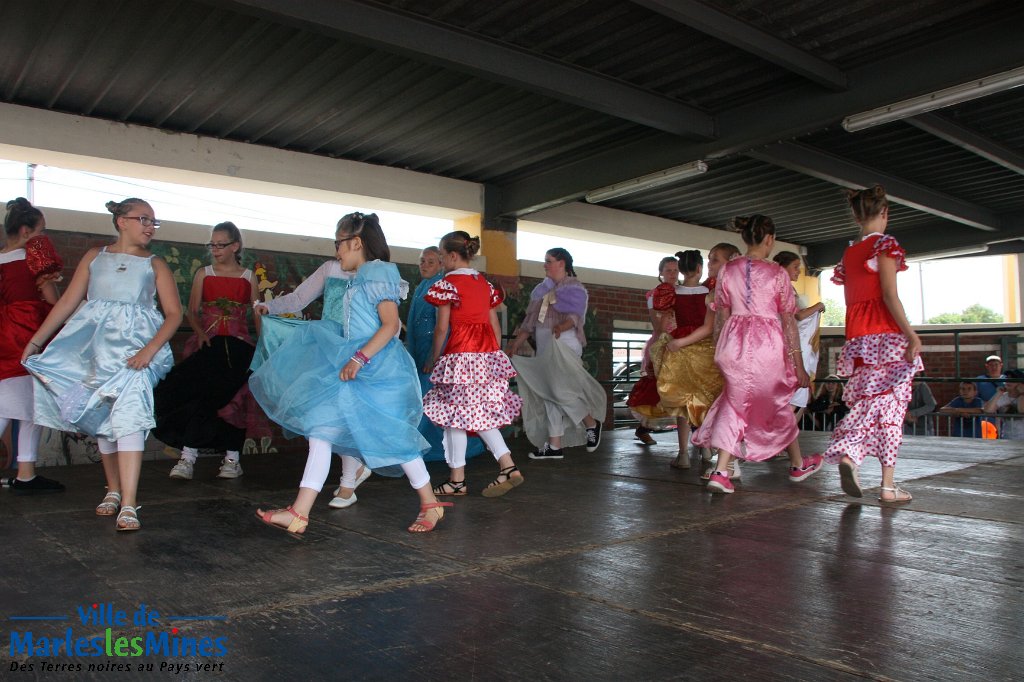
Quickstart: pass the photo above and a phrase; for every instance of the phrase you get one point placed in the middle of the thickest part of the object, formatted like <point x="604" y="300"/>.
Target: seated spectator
<point x="1009" y="399"/>
<point x="922" y="403"/>
<point x="988" y="382"/>
<point x="828" y="407"/>
<point x="967" y="403"/>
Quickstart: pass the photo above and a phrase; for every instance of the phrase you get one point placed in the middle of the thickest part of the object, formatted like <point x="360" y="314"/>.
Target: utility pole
<point x="30" y="181"/>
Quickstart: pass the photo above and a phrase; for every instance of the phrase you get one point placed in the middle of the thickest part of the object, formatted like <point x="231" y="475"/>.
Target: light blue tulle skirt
<point x="373" y="417"/>
<point x="83" y="383"/>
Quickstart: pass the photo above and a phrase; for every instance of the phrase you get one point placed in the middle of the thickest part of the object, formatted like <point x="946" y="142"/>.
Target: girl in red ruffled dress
<point x="470" y="378"/>
<point x="881" y="351"/>
<point x="644" y="401"/>
<point x="29" y="270"/>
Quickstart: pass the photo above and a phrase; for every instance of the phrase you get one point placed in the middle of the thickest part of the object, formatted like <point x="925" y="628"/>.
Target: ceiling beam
<point x="784" y="115"/>
<point x="830" y="168"/>
<point x="965" y="138"/>
<point x="426" y="40"/>
<point x="742" y="35"/>
<point x="937" y="237"/>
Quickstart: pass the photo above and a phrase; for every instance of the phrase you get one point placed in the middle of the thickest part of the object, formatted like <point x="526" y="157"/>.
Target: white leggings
<point x="28" y="438"/>
<point x="318" y="466"/>
<point x="133" y="442"/>
<point x="455" y="445"/>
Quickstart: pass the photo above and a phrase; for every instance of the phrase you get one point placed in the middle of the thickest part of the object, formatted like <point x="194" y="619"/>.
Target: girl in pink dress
<point x="470" y="378"/>
<point x="758" y="351"/>
<point x="881" y="351"/>
<point x="705" y="375"/>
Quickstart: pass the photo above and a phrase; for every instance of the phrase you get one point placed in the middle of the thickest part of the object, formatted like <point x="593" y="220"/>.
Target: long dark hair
<point x="20" y="213"/>
<point x="689" y="261"/>
<point x="558" y="253"/>
<point x="367" y="228"/>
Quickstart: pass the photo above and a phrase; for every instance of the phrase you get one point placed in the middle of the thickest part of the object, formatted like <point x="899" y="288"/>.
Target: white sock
<point x="231" y="455"/>
<point x="189" y="454"/>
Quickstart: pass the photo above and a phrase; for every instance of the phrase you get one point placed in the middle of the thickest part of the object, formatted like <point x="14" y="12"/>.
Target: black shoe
<point x="593" y="437"/>
<point x="37" y="486"/>
<point x="546" y="452"/>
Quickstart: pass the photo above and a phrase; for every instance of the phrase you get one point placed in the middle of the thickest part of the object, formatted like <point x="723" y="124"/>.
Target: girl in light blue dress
<point x="97" y="375"/>
<point x="346" y="382"/>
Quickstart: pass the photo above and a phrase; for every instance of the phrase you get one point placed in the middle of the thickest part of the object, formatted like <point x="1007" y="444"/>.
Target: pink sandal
<point x="421" y="524"/>
<point x="295" y="528"/>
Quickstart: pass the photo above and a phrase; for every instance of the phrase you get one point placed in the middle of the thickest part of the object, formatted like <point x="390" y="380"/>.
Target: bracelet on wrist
<point x="359" y="361"/>
<point x="361" y="356"/>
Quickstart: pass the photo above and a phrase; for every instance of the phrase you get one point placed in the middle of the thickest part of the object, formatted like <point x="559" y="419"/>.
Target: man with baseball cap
<point x="993" y="372"/>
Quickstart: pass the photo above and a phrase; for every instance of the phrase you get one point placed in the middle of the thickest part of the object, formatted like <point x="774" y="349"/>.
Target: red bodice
<point x="471" y="298"/>
<point x="22" y="311"/>
<point x="866" y="312"/>
<point x="690" y="310"/>
<point x="225" y="301"/>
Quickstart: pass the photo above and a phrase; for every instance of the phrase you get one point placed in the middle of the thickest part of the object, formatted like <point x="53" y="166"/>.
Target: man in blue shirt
<point x="993" y="371"/>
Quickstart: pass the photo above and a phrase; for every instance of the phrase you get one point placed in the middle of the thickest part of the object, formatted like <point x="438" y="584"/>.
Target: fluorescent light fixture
<point x="949" y="253"/>
<point x="659" y="179"/>
<point x="936" y="100"/>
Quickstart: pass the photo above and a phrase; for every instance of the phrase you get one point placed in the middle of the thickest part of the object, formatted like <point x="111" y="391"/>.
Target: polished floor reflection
<point x="603" y="566"/>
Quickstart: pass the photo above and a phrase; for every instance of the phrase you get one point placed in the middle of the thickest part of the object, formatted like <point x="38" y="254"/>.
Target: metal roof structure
<point x="543" y="101"/>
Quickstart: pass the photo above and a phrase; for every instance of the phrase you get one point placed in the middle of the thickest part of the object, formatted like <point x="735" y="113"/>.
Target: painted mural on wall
<point x="279" y="273"/>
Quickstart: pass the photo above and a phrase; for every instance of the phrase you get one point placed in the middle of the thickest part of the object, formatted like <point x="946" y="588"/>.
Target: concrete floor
<point x="603" y="566"/>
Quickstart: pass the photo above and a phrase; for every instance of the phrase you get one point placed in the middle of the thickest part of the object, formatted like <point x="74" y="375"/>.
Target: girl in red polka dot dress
<point x="470" y="378"/>
<point x="881" y="351"/>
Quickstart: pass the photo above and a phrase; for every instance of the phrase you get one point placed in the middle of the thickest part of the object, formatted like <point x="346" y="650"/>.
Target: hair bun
<point x="112" y="206"/>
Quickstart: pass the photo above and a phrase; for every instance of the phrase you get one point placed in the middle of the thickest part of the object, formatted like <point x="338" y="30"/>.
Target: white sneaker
<point x="229" y="468"/>
<point x="342" y="502"/>
<point x="182" y="470"/>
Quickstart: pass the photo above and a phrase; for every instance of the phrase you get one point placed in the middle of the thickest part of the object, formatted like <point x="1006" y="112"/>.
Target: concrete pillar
<point x="498" y="246"/>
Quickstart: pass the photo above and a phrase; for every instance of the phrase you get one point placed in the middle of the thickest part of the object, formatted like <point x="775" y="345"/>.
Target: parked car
<point x="624" y="378"/>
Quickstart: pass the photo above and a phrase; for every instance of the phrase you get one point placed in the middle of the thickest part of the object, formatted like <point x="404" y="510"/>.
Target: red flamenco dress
<point x="471" y="377"/>
<point x="204" y="402"/>
<point x="22" y="312"/>
<point x="644" y="401"/>
<point x="880" y="384"/>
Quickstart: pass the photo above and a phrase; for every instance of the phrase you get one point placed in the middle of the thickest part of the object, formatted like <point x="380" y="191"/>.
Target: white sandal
<point x="130" y="516"/>
<point x="896" y="490"/>
<point x="110" y="504"/>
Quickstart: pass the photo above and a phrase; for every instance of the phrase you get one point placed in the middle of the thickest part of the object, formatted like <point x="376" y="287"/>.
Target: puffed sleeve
<point x="442" y="292"/>
<point x="663" y="297"/>
<point x="787" y="299"/>
<point x="839" y="274"/>
<point x="886" y="245"/>
<point x="497" y="294"/>
<point x="722" y="297"/>
<point x="42" y="260"/>
<point x="381" y="282"/>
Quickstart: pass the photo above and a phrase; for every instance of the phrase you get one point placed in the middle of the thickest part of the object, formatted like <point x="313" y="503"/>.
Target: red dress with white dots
<point x="873" y="357"/>
<point x="471" y="377"/>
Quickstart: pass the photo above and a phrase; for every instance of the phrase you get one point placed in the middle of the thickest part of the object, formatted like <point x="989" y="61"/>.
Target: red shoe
<point x="811" y="465"/>
<point x="720" y="483"/>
